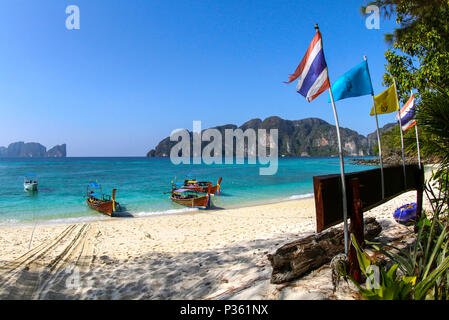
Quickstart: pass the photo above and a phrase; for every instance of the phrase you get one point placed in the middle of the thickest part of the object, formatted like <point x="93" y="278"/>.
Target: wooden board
<point x="328" y="195"/>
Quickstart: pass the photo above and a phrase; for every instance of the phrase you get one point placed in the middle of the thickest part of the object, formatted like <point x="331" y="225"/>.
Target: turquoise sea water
<point x="140" y="184"/>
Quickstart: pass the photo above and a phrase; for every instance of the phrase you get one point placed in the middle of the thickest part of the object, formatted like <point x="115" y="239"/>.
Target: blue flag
<point x="354" y="83"/>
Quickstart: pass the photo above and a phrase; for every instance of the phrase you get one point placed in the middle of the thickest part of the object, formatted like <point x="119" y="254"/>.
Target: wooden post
<point x="356" y="228"/>
<point x="319" y="205"/>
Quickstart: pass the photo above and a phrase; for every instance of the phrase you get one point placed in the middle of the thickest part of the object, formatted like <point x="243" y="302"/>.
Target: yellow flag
<point x="386" y="102"/>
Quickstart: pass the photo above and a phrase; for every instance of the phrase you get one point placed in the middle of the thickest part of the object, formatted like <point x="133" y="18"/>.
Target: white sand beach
<point x="196" y="255"/>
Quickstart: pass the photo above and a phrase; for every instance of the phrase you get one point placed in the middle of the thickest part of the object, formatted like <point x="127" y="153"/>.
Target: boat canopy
<point x="181" y="190"/>
<point x="30" y="175"/>
<point x="94" y="194"/>
<point x="94" y="185"/>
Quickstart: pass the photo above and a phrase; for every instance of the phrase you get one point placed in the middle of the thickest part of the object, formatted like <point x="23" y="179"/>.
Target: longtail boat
<point x="101" y="202"/>
<point x="202" y="186"/>
<point x="191" y="198"/>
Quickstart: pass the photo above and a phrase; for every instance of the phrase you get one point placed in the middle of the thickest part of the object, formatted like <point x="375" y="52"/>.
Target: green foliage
<point x="419" y="57"/>
<point x="391" y="143"/>
<point x="420" y="271"/>
<point x="439" y="199"/>
<point x="433" y="117"/>
<point x="384" y="285"/>
<point x="419" y="60"/>
<point x="427" y="260"/>
<point x="423" y="270"/>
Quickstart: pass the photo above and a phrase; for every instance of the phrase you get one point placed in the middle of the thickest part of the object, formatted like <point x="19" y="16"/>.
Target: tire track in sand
<point x="42" y="272"/>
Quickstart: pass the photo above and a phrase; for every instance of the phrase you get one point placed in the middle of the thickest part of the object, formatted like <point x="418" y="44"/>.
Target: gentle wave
<point x="15" y="222"/>
<point x="8" y="222"/>
<point x="300" y="196"/>
<point x="159" y="213"/>
<point x="75" y="220"/>
<point x="55" y="221"/>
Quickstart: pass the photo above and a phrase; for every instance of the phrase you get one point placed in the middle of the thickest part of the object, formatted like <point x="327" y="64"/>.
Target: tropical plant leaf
<point x="422" y="287"/>
<point x="362" y="257"/>
<point x="437" y="248"/>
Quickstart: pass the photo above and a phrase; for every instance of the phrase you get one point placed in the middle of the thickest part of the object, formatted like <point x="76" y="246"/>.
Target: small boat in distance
<point x="101" y="202"/>
<point x="202" y="186"/>
<point x="30" y="182"/>
<point x="191" y="198"/>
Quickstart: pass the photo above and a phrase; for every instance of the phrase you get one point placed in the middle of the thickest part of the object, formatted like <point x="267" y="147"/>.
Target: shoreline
<point x="268" y="215"/>
<point x="220" y="254"/>
<point x="56" y="204"/>
<point x="150" y="214"/>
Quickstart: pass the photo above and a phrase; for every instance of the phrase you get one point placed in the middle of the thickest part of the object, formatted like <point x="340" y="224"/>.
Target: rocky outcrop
<point x="32" y="150"/>
<point x="26" y="150"/>
<point x="372" y="137"/>
<point x="58" y="151"/>
<point x="307" y="137"/>
<point x="394" y="158"/>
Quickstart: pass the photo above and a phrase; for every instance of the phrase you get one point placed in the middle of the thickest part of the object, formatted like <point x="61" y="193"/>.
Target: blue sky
<point x="137" y="69"/>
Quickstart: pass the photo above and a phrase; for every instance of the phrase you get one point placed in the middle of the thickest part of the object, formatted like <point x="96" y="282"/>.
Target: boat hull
<point x="105" y="207"/>
<point x="30" y="186"/>
<point x="199" y="202"/>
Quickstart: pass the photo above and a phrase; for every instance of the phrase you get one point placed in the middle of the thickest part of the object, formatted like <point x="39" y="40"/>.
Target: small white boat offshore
<point x="30" y="182"/>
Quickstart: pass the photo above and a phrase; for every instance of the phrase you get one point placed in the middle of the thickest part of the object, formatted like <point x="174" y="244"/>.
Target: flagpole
<point x="380" y="146"/>
<point x="402" y="146"/>
<point x="417" y="144"/>
<point x="402" y="134"/>
<point x="342" y="168"/>
<point x="417" y="138"/>
<point x="342" y="173"/>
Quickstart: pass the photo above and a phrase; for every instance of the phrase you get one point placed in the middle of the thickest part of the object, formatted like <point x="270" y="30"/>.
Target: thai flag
<point x="407" y="114"/>
<point x="312" y="71"/>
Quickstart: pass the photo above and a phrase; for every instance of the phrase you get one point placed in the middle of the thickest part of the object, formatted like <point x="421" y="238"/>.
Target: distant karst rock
<point x="26" y="150"/>
<point x="58" y="151"/>
<point x="32" y="150"/>
<point x="151" y="153"/>
<point x="372" y="137"/>
<point x="310" y="137"/>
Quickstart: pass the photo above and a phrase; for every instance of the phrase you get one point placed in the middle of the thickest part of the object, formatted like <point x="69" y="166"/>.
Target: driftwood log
<point x="297" y="258"/>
